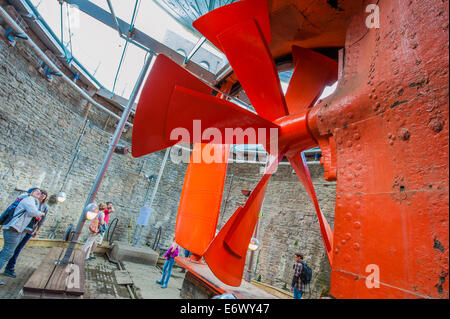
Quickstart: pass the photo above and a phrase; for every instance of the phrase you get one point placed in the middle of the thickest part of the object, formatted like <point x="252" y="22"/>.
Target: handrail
<point x="109" y="232"/>
<point x="157" y="238"/>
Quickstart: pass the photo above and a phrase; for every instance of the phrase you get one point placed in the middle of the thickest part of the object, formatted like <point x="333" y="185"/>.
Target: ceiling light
<point x="91" y="211"/>
<point x="254" y="244"/>
<point x="61" y="197"/>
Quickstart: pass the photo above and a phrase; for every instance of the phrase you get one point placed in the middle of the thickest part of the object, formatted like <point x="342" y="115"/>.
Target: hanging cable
<point x="119" y="67"/>
<point x="133" y="19"/>
<point x="66" y="56"/>
<point x="137" y="5"/>
<point x="70" y="32"/>
<point x="62" y="22"/>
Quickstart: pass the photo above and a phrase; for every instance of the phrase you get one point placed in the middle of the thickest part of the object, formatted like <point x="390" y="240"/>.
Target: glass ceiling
<point x="115" y="63"/>
<point x="108" y="57"/>
<point x="187" y="11"/>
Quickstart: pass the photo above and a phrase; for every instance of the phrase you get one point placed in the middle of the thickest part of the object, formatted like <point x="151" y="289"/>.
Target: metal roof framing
<point x="140" y="37"/>
<point x="137" y="37"/>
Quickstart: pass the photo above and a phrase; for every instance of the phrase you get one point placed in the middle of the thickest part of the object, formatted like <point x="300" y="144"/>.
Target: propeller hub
<point x="294" y="134"/>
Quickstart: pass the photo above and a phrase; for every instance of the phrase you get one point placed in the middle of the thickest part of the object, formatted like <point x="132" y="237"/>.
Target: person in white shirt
<point x="30" y="231"/>
<point x="13" y="231"/>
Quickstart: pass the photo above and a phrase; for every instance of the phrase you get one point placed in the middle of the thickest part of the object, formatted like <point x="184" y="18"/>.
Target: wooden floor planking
<point x="40" y="277"/>
<point x="51" y="280"/>
<point x="79" y="273"/>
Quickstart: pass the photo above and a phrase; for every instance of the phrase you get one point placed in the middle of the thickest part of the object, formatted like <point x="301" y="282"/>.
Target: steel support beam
<point x="140" y="37"/>
<point x="195" y="49"/>
<point x="107" y="159"/>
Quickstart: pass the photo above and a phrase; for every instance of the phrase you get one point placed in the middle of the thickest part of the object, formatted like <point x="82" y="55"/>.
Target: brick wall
<point x="39" y="126"/>
<point x="40" y="123"/>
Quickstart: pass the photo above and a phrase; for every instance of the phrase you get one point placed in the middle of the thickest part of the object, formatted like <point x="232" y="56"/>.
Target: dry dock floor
<point x="101" y="282"/>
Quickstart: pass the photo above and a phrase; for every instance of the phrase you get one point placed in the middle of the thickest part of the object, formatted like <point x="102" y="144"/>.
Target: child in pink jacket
<point x="168" y="265"/>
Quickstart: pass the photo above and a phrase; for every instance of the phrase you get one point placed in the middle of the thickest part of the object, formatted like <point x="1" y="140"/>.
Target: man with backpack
<point x="30" y="231"/>
<point x="302" y="276"/>
<point x="15" y="219"/>
<point x="8" y="214"/>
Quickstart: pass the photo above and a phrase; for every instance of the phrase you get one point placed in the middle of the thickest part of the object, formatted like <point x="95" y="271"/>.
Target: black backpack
<point x="8" y="214"/>
<point x="306" y="274"/>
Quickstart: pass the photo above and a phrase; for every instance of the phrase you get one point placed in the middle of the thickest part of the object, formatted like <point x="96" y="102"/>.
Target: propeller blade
<point x="244" y="43"/>
<point x="172" y="99"/>
<point x="312" y="72"/>
<point x="298" y="162"/>
<point x="218" y="116"/>
<point x="200" y="199"/>
<point x="216" y="21"/>
<point x="226" y="254"/>
<point x="151" y="113"/>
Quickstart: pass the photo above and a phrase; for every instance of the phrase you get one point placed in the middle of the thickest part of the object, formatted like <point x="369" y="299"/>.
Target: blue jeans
<point x="12" y="261"/>
<point x="297" y="293"/>
<point x="167" y="270"/>
<point x="187" y="253"/>
<point x="11" y="239"/>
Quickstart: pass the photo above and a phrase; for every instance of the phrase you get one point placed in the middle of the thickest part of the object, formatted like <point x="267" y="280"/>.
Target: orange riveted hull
<point x="389" y="121"/>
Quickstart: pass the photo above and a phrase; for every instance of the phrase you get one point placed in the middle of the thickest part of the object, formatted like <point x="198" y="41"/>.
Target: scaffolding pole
<point x="107" y="159"/>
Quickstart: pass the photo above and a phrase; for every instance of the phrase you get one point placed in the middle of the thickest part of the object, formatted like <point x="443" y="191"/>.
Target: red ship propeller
<point x="172" y="99"/>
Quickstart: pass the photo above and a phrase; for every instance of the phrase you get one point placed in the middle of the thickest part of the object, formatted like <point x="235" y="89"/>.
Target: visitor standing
<point x="298" y="286"/>
<point x="94" y="228"/>
<point x="99" y="238"/>
<point x="30" y="231"/>
<point x="170" y="255"/>
<point x="13" y="230"/>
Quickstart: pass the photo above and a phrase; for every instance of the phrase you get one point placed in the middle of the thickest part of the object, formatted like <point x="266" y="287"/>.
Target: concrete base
<point x="140" y="255"/>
